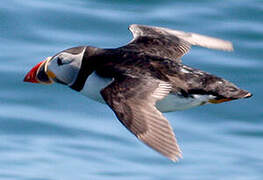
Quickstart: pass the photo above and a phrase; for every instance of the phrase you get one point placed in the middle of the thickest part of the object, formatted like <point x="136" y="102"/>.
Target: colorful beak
<point x="31" y="76"/>
<point x="38" y="74"/>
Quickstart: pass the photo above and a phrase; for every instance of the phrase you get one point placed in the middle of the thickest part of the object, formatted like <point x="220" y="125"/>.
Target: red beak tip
<point x="27" y="79"/>
<point x="30" y="79"/>
<point x="31" y="75"/>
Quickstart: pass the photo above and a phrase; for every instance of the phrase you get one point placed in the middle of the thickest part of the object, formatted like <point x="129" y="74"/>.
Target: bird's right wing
<point x="171" y="44"/>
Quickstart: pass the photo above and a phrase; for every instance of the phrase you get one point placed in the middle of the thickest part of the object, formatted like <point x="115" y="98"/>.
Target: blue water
<point x="53" y="133"/>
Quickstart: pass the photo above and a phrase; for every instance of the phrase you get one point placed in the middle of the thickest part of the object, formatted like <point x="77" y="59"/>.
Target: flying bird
<point x="142" y="79"/>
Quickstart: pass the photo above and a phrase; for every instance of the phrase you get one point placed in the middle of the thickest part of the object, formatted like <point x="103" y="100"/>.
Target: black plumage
<point x="148" y="69"/>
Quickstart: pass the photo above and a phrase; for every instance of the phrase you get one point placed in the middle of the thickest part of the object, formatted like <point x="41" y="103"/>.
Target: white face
<point x="65" y="66"/>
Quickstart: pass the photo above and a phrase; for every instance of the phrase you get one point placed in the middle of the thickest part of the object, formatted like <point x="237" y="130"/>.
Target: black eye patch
<point x="59" y="61"/>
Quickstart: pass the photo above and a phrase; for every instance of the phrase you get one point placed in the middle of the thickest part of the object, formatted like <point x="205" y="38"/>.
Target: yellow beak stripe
<point x="51" y="75"/>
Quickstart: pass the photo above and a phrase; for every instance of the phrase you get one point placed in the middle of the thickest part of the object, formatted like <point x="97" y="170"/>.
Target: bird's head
<point x="61" y="68"/>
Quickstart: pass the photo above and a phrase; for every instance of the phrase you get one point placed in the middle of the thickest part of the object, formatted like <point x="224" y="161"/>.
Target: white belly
<point x="172" y="102"/>
<point x="93" y="85"/>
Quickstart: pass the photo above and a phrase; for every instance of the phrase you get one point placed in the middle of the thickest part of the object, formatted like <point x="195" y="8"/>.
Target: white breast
<point x="93" y="85"/>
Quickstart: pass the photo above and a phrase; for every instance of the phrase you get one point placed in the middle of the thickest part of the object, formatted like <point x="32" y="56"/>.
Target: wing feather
<point x="139" y="114"/>
<point x="168" y="43"/>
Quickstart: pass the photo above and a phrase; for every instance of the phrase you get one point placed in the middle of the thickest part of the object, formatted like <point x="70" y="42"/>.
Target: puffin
<point x="141" y="80"/>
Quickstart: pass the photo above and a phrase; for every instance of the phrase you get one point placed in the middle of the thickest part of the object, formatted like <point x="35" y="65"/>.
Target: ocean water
<point x="54" y="133"/>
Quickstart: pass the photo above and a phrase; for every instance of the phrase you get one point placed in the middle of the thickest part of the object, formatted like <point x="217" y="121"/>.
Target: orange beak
<point x="40" y="73"/>
<point x="31" y="76"/>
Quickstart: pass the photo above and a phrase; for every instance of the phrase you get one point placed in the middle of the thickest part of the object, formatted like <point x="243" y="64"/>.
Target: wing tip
<point x="133" y="26"/>
<point x="176" y="157"/>
<point x="229" y="46"/>
<point x="135" y="30"/>
<point x="223" y="44"/>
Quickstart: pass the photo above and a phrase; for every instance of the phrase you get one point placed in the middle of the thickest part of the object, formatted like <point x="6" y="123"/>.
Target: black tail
<point x="227" y="91"/>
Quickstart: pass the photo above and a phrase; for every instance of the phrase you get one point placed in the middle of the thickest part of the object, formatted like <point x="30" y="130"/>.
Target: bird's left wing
<point x="133" y="101"/>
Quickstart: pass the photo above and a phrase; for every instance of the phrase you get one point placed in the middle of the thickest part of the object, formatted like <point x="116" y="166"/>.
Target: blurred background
<point x="52" y="132"/>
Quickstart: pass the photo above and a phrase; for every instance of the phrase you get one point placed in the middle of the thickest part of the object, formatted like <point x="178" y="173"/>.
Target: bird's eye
<point x="59" y="61"/>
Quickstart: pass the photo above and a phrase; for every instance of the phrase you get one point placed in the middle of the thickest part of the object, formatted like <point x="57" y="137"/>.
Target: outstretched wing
<point x="168" y="43"/>
<point x="133" y="101"/>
